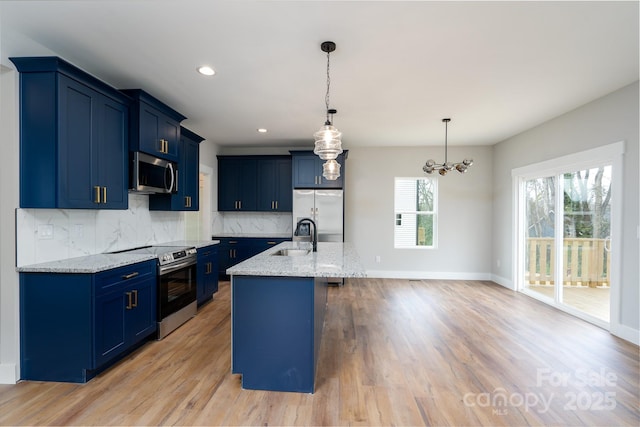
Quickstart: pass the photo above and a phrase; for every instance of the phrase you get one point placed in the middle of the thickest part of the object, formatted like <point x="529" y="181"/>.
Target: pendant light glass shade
<point x="331" y="170"/>
<point x="327" y="142"/>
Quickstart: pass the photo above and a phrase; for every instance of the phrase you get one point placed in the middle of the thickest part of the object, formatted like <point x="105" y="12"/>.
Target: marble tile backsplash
<point x="252" y="223"/>
<point x="44" y="235"/>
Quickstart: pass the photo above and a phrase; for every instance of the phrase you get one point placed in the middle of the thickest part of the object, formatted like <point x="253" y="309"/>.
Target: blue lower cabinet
<point x="207" y="273"/>
<point x="73" y="326"/>
<point x="276" y="331"/>
<point x="235" y="250"/>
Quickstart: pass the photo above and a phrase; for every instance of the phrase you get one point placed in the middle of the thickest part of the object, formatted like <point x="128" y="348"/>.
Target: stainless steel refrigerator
<point x="325" y="208"/>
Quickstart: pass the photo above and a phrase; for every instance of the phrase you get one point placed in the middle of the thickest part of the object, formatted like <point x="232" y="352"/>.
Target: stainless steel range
<point x="177" y="290"/>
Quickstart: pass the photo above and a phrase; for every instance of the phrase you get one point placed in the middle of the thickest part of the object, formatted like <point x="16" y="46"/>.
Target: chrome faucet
<point x="314" y="239"/>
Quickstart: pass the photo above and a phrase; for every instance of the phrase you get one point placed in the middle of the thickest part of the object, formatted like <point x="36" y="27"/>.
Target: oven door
<point x="177" y="287"/>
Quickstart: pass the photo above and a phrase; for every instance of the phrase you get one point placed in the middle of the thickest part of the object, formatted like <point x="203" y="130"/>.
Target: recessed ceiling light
<point x="206" y="70"/>
<point x="261" y="130"/>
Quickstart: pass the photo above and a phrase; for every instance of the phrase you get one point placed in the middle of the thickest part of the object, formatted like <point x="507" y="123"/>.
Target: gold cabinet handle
<point x="129" y="306"/>
<point x="97" y="194"/>
<point x="164" y="146"/>
<point x="104" y="194"/>
<point x="130" y="275"/>
<point x="271" y="243"/>
<point x="135" y="298"/>
<point x="276" y="204"/>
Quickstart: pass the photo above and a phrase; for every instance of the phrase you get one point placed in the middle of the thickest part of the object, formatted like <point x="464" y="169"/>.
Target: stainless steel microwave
<point x="152" y="175"/>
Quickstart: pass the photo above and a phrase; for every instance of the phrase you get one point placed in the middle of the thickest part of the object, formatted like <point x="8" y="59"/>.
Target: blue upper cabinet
<point x="254" y="183"/>
<point x="236" y="183"/>
<point x="274" y="184"/>
<point x="73" y="138"/>
<point x="307" y="171"/>
<point x="155" y="127"/>
<point x="187" y="197"/>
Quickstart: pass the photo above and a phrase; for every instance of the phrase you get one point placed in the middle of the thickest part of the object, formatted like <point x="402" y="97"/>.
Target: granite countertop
<point x="86" y="264"/>
<point x="337" y="260"/>
<point x="196" y="243"/>
<point x="255" y="235"/>
<point x="102" y="262"/>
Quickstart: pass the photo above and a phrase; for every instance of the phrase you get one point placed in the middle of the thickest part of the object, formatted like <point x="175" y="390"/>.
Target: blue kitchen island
<point x="278" y="304"/>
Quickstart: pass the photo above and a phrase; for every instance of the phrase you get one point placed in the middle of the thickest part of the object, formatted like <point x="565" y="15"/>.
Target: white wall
<point x="9" y="332"/>
<point x="610" y="119"/>
<point x="464" y="213"/>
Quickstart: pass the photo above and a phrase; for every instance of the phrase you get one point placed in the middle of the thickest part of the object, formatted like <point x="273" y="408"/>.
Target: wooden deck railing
<point x="586" y="262"/>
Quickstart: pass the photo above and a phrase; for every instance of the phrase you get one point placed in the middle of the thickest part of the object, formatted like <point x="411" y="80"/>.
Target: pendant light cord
<point x="326" y="97"/>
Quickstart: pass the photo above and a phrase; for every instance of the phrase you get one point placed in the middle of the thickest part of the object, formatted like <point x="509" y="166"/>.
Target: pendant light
<point x="328" y="144"/>
<point x="445" y="167"/>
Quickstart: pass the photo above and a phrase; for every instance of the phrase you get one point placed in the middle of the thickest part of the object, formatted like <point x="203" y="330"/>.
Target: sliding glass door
<point x="567" y="239"/>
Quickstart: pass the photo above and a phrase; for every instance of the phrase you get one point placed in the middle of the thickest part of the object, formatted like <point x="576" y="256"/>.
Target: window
<point x="415" y="213"/>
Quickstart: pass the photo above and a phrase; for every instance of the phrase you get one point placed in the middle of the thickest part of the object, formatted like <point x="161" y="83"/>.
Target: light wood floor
<point x="593" y="301"/>
<point x="394" y="352"/>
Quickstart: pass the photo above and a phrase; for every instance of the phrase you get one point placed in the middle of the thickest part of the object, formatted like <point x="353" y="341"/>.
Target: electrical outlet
<point x="378" y="259"/>
<point x="77" y="231"/>
<point x="498" y="263"/>
<point x="45" y="231"/>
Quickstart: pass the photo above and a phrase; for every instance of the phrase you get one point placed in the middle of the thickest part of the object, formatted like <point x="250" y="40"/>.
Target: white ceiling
<point x="495" y="68"/>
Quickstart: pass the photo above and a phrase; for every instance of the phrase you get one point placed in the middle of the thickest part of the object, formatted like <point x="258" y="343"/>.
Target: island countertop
<point x="332" y="260"/>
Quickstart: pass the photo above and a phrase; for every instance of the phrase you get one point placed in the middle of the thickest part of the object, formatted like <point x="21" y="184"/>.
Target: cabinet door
<point x="78" y="134"/>
<point x="110" y="339"/>
<point x="284" y="190"/>
<point x="267" y="193"/>
<point x="207" y="273"/>
<point x="236" y="184"/>
<point x="170" y="132"/>
<point x="335" y="184"/>
<point x="150" y="122"/>
<point x="190" y="171"/>
<point x="112" y="152"/>
<point x="141" y="317"/>
<point x="224" y="260"/>
<point x="305" y="171"/>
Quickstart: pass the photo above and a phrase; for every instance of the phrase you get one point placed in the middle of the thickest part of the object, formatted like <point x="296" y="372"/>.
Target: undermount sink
<point x="291" y="252"/>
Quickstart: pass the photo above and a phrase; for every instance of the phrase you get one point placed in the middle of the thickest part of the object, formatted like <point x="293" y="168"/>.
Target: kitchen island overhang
<point x="278" y="306"/>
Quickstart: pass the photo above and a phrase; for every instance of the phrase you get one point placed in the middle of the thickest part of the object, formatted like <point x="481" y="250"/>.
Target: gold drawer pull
<point x="130" y="275"/>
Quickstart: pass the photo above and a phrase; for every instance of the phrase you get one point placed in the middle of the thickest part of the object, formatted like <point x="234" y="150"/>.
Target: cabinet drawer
<point x="109" y="280"/>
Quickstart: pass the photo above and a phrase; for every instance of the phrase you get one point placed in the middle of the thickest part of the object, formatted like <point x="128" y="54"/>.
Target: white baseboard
<point x="507" y="283"/>
<point x="420" y="275"/>
<point x="8" y="373"/>
<point x="626" y="333"/>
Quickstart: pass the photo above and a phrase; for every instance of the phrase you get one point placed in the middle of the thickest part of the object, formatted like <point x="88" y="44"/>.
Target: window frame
<point x="433" y="213"/>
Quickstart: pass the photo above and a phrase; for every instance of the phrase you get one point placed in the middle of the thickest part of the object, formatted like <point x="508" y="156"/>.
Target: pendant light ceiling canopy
<point x="328" y="143"/>
<point x="431" y="166"/>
